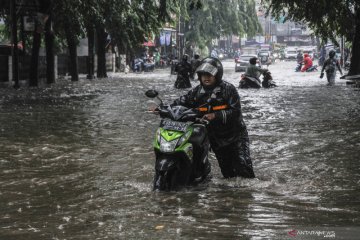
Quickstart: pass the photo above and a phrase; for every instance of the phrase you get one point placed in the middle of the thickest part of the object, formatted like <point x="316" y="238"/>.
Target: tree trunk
<point x="34" y="76"/>
<point x="91" y="44"/>
<point x="14" y="40"/>
<point x="50" y="56"/>
<point x="355" y="57"/>
<point x="22" y="36"/>
<point x="101" y="52"/>
<point x="72" y="45"/>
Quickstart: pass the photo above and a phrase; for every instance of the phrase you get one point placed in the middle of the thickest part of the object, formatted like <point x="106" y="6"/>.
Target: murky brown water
<point x="76" y="162"/>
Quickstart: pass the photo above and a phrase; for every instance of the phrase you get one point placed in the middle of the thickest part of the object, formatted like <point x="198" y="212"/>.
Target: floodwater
<point x="76" y="162"/>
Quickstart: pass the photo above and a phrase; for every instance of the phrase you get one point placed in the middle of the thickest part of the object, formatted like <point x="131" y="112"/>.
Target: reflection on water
<point x="76" y="162"/>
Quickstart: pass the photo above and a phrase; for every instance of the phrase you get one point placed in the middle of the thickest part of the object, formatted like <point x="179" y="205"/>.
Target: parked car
<point x="242" y="62"/>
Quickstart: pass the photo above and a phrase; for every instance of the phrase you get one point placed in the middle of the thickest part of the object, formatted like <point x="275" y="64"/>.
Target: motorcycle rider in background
<point x="214" y="53"/>
<point x="307" y="62"/>
<point x="219" y="103"/>
<point x="183" y="70"/>
<point x="254" y="71"/>
<point x="195" y="63"/>
<point x="299" y="59"/>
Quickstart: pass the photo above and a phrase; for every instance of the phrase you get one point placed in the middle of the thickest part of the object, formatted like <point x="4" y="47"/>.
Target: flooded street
<point x="76" y="162"/>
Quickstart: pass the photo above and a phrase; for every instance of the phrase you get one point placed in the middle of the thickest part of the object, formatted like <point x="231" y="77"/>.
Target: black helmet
<point x="331" y="53"/>
<point x="253" y="60"/>
<point x="212" y="66"/>
<point x="185" y="57"/>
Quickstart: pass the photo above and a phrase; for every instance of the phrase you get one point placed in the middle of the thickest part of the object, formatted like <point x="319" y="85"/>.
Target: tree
<point x="215" y="19"/>
<point x="44" y="21"/>
<point x="49" y="44"/>
<point x="127" y="23"/>
<point x="91" y="15"/>
<point x="327" y="19"/>
<point x="68" y="25"/>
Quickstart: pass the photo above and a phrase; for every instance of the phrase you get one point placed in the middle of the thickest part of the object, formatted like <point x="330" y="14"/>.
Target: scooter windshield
<point x="181" y="113"/>
<point x="178" y="113"/>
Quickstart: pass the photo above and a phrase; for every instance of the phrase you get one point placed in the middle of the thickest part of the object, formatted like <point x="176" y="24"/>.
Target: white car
<point x="290" y="54"/>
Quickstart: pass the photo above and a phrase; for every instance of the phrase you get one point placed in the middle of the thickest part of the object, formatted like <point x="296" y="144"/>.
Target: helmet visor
<point x="207" y="68"/>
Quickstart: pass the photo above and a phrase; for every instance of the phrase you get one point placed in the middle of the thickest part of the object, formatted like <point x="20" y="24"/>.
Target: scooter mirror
<point x="151" y="93"/>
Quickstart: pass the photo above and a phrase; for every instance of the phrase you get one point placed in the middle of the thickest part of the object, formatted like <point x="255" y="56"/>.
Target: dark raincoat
<point x="227" y="132"/>
<point x="183" y="70"/>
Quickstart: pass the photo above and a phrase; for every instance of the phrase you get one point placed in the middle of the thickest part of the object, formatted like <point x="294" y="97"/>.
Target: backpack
<point x="331" y="66"/>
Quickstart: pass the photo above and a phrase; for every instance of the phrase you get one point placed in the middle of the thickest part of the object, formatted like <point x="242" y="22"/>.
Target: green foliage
<point x="218" y="18"/>
<point x="67" y="17"/>
<point x="129" y="21"/>
<point x="4" y="34"/>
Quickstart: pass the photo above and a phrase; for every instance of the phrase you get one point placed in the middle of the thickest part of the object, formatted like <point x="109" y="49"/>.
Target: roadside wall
<point x="62" y="65"/>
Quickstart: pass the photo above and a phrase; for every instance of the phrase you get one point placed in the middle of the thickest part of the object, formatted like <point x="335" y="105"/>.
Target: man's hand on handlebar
<point x="153" y="109"/>
<point x="209" y="116"/>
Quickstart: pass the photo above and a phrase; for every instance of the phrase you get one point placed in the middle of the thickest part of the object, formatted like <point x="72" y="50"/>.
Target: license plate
<point x="173" y="125"/>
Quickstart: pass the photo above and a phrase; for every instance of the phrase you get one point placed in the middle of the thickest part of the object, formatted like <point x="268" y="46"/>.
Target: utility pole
<point x="342" y="60"/>
<point x="270" y="29"/>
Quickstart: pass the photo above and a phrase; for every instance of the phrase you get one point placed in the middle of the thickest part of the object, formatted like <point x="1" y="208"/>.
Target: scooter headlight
<point x="166" y="146"/>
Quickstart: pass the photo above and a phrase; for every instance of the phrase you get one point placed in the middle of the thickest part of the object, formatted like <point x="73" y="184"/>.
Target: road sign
<point x="29" y="23"/>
